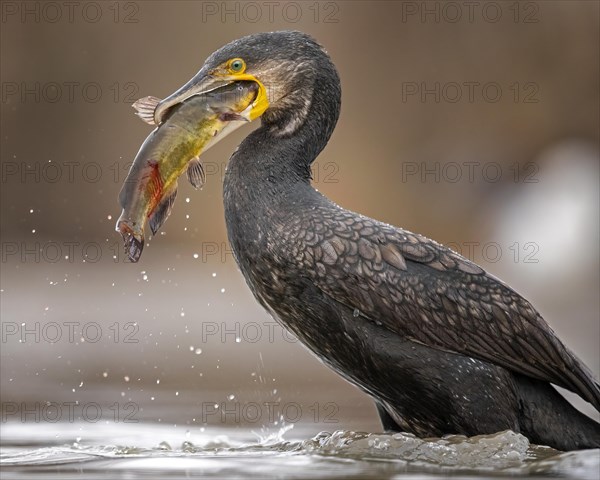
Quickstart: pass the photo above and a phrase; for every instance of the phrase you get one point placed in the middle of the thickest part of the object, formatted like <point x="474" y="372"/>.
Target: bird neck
<point x="291" y="137"/>
<point x="268" y="177"/>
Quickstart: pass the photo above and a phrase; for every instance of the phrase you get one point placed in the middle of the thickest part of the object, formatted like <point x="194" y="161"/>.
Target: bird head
<point x="285" y="65"/>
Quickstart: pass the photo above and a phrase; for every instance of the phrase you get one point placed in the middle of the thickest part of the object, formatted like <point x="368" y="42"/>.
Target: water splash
<point x="268" y="437"/>
<point x="326" y="455"/>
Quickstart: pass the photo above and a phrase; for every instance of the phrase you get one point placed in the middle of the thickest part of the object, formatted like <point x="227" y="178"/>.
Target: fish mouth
<point x="206" y="82"/>
<point x="133" y="241"/>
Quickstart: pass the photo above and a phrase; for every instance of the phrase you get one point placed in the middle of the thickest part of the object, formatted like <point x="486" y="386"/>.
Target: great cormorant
<point x="442" y="346"/>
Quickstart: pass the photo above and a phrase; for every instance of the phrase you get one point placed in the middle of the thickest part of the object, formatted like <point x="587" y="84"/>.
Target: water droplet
<point x="356" y="313"/>
<point x="105" y="374"/>
<point x="230" y="397"/>
<point x="196" y="255"/>
<point x="198" y="351"/>
<point x="187" y="199"/>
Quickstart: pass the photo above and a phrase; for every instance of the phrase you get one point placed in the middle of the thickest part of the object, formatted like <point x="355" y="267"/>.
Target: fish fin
<point x="229" y="115"/>
<point x="144" y="108"/>
<point x="195" y="173"/>
<point x="162" y="211"/>
<point x="134" y="244"/>
<point x="232" y="117"/>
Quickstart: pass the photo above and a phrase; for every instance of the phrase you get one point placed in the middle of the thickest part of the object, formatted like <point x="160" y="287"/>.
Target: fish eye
<point x="237" y="65"/>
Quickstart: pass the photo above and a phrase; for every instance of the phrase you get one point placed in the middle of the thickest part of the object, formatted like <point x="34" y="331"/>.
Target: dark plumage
<point x="441" y="345"/>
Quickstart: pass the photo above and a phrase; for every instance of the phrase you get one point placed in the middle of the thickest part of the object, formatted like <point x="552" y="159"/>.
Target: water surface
<point x="146" y="450"/>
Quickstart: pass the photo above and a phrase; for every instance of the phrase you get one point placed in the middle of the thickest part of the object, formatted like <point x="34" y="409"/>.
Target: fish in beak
<point x="189" y="121"/>
<point x="205" y="82"/>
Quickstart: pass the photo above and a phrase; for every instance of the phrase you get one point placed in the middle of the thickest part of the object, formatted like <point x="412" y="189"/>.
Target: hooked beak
<point x="205" y="82"/>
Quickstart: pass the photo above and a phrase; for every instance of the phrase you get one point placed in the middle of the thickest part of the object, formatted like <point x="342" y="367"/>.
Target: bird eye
<point x="237" y="65"/>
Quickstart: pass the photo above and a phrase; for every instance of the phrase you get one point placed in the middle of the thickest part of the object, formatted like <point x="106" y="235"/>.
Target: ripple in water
<point x="141" y="450"/>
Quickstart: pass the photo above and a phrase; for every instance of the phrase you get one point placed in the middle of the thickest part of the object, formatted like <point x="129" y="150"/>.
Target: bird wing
<point x="428" y="293"/>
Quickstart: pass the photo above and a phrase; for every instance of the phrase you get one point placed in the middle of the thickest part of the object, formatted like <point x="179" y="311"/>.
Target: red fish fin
<point x="145" y="108"/>
<point x="162" y="210"/>
<point x="195" y="173"/>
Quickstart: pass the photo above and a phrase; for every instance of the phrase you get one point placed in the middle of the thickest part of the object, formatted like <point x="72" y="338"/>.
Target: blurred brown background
<point x="475" y="125"/>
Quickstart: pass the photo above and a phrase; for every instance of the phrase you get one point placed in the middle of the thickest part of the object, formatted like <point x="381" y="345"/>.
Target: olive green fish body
<point x="183" y="138"/>
<point x="151" y="184"/>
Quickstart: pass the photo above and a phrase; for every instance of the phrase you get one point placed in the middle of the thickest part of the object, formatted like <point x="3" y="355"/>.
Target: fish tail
<point x="133" y="241"/>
